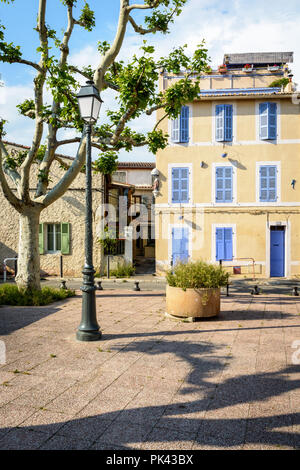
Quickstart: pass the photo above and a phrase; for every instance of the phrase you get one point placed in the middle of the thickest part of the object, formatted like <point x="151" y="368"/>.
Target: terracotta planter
<point x="193" y="303"/>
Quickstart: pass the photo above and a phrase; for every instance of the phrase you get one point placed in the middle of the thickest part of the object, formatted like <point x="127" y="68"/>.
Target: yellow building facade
<point x="230" y="176"/>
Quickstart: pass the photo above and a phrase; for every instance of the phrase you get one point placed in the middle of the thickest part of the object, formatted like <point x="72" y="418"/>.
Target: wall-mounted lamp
<point x="293" y="183"/>
<point x="202" y="164"/>
<point x="224" y="155"/>
<point x="155" y="181"/>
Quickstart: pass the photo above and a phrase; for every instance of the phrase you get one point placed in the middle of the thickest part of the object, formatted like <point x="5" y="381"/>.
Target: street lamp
<point x="89" y="102"/>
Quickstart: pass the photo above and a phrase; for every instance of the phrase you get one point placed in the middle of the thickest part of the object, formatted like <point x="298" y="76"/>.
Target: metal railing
<point x="240" y="259"/>
<point x="5" y="267"/>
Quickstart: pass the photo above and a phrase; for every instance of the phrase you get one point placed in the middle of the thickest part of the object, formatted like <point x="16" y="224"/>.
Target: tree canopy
<point x="134" y="83"/>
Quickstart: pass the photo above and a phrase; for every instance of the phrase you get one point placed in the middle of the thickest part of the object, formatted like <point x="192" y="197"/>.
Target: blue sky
<point x="226" y="25"/>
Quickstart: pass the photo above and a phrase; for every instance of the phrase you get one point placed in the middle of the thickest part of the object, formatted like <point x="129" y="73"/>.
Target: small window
<point x="180" y="185"/>
<point x="224" y="126"/>
<point x="224" y="251"/>
<point x="53" y="237"/>
<point x="224" y="184"/>
<point x="268" y="121"/>
<point x="180" y="126"/>
<point x="119" y="176"/>
<point x="268" y="183"/>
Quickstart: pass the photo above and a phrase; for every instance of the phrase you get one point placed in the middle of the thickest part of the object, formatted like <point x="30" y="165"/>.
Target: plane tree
<point x="134" y="83"/>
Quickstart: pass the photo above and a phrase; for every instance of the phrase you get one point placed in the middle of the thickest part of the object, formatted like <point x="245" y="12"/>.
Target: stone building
<point x="62" y="224"/>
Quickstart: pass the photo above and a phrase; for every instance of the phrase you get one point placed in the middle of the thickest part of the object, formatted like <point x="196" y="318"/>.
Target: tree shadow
<point x="184" y="420"/>
<point x="14" y="318"/>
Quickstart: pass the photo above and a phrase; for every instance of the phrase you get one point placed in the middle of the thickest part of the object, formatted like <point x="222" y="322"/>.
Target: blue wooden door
<point x="277" y="252"/>
<point x="180" y="245"/>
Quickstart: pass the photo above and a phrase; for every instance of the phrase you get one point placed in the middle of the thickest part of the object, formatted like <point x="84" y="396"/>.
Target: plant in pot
<point x="248" y="68"/>
<point x="222" y="68"/>
<point x="193" y="290"/>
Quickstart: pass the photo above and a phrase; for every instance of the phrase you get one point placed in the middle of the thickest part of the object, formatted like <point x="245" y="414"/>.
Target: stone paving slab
<point x="232" y="382"/>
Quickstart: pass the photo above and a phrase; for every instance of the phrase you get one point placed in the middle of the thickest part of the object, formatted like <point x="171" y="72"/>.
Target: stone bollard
<point x="137" y="288"/>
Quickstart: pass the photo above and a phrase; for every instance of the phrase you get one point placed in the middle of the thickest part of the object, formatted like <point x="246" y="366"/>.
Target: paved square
<point x="152" y="383"/>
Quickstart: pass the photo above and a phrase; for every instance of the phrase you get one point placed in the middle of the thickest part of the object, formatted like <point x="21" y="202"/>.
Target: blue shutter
<point x="184" y="124"/>
<point x="228" y="112"/>
<point x="228" y="244"/>
<point x="180" y="185"/>
<point x="175" y="130"/>
<point x="268" y="184"/>
<point x="263" y="121"/>
<point x="268" y="121"/>
<point x="180" y="245"/>
<point x="184" y="185"/>
<point x="224" y="249"/>
<point x="272" y="121"/>
<point x="176" y="246"/>
<point x="220" y="248"/>
<point x="224" y="184"/>
<point x="220" y="123"/>
<point x="176" y="185"/>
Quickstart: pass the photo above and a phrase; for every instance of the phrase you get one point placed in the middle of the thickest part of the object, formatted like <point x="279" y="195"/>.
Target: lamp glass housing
<point x="89" y="102"/>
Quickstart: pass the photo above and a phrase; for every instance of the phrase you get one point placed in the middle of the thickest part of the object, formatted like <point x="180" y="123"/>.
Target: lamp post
<point x="89" y="102"/>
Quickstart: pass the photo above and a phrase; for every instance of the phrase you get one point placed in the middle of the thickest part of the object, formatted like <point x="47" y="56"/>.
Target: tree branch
<point x="52" y="130"/>
<point x="10" y="196"/>
<point x="67" y="141"/>
<point x="13" y="174"/>
<point x="61" y="187"/>
<point x="114" y="50"/>
<point x="137" y="6"/>
<point x="38" y="99"/>
<point x="139" y="29"/>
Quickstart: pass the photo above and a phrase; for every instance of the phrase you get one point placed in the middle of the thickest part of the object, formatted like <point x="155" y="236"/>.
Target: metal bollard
<point x="61" y="266"/>
<point x="137" y="288"/>
<point x="227" y="290"/>
<point x="63" y="285"/>
<point x="99" y="285"/>
<point x="295" y="291"/>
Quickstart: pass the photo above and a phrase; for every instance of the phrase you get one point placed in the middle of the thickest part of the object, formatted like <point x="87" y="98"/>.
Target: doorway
<point x="277" y="251"/>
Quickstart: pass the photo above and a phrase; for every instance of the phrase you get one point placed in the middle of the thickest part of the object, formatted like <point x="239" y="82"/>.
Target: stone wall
<point x="70" y="208"/>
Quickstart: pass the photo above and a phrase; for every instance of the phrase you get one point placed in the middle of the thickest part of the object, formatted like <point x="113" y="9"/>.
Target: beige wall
<point x="250" y="218"/>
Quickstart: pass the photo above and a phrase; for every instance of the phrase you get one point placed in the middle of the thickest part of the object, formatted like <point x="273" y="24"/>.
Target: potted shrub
<point x="273" y="68"/>
<point x="193" y="290"/>
<point x="222" y="68"/>
<point x="248" y="68"/>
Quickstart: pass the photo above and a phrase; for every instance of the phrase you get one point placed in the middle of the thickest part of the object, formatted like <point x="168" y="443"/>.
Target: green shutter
<point x="41" y="239"/>
<point x="65" y="239"/>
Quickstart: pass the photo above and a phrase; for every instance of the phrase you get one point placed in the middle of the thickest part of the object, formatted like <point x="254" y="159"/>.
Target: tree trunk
<point x="28" y="256"/>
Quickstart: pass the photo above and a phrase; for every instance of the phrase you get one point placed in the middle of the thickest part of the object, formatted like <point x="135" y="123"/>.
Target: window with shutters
<point x="224" y="184"/>
<point x="268" y="183"/>
<point x="268" y="121"/>
<point x="224" y="244"/>
<point x="57" y="237"/>
<point x="180" y="126"/>
<point x="180" y="185"/>
<point x="224" y="122"/>
<point x="180" y="245"/>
